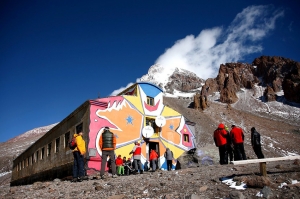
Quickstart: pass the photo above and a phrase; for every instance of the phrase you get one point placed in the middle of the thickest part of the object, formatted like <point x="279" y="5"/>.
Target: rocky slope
<point x="246" y="95"/>
<point x="13" y="147"/>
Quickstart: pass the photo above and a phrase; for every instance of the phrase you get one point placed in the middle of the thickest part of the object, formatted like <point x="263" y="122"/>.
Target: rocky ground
<point x="196" y="183"/>
<point x="196" y="180"/>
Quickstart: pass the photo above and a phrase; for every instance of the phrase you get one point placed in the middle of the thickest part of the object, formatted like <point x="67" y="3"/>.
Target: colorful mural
<point x="127" y="115"/>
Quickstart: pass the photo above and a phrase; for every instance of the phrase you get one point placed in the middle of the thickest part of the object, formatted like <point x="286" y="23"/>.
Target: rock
<point x="116" y="197"/>
<point x="99" y="187"/>
<point x="266" y="191"/>
<point x="269" y="94"/>
<point x="204" y="188"/>
<point x="279" y="166"/>
<point x="236" y="195"/>
<point x="257" y="181"/>
<point x="296" y="162"/>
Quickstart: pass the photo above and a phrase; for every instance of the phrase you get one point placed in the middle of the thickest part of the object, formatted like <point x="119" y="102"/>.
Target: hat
<point x="232" y="126"/>
<point x="221" y="126"/>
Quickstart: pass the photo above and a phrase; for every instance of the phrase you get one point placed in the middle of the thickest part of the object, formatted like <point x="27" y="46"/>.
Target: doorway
<point x="154" y="146"/>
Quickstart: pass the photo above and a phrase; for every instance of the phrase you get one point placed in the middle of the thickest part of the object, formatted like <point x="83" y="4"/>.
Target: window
<point x="79" y="128"/>
<point x="67" y="138"/>
<point x="151" y="122"/>
<point x="20" y="166"/>
<point x="23" y="164"/>
<point x="186" y="138"/>
<point x="150" y="101"/>
<point x="36" y="156"/>
<point x="57" y="142"/>
<point x="49" y="149"/>
<point x="27" y="162"/>
<point x="32" y="159"/>
<point x="42" y="153"/>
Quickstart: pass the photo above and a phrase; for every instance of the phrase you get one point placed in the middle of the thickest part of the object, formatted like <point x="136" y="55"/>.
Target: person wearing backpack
<point x="220" y="139"/>
<point x="78" y="154"/>
<point x="255" y="142"/>
<point x="107" y="144"/>
<point x="229" y="145"/>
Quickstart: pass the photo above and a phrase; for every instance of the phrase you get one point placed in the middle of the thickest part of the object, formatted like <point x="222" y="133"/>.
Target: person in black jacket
<point x="255" y="142"/>
<point x="229" y="145"/>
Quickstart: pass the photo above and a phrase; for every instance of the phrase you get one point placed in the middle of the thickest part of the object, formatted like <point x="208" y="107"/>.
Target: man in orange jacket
<point x="220" y="138"/>
<point x="153" y="159"/>
<point x="107" y="144"/>
<point x="237" y="137"/>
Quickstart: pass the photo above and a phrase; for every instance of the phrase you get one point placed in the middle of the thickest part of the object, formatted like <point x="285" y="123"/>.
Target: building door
<point x="154" y="146"/>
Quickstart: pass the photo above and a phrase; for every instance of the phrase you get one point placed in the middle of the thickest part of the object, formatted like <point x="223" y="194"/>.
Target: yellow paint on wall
<point x="169" y="112"/>
<point x="176" y="151"/>
<point x="135" y="100"/>
<point x="125" y="150"/>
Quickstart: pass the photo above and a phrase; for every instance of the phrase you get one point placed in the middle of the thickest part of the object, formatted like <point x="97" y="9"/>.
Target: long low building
<point x="136" y="114"/>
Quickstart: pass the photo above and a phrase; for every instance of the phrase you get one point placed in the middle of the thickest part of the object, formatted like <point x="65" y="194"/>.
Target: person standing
<point x="237" y="138"/>
<point x="255" y="142"/>
<point x="137" y="151"/>
<point x="169" y="157"/>
<point x="229" y="145"/>
<point x="153" y="159"/>
<point x="220" y="138"/>
<point x="78" y="154"/>
<point x="107" y="144"/>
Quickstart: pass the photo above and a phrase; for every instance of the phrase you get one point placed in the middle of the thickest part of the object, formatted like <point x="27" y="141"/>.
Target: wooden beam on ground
<point x="239" y="162"/>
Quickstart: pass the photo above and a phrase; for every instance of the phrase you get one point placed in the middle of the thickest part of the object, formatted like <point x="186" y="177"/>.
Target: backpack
<point x="72" y="143"/>
<point x="256" y="139"/>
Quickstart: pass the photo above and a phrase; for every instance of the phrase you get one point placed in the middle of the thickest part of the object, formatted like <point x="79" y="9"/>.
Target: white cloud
<point x="115" y="92"/>
<point x="204" y="54"/>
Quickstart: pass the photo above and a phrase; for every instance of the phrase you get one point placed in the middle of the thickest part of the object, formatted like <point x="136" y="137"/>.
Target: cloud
<point x="204" y="54"/>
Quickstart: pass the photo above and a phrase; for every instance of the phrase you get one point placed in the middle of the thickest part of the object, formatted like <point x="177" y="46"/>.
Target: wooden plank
<point x="263" y="168"/>
<point x="265" y="160"/>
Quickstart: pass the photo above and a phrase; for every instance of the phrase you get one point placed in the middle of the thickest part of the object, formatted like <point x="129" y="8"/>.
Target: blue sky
<point x="55" y="55"/>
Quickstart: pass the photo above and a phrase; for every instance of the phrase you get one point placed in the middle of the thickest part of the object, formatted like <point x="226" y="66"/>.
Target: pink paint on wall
<point x="185" y="130"/>
<point x="96" y="124"/>
<point x="151" y="108"/>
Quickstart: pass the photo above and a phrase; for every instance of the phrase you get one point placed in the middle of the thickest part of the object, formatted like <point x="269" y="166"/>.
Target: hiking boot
<point x="79" y="179"/>
<point x="85" y="178"/>
<point x="114" y="176"/>
<point x="141" y="172"/>
<point x="102" y="177"/>
<point x="74" y="180"/>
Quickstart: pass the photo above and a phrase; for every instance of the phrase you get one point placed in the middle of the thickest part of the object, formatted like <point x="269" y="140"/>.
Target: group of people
<point x="119" y="165"/>
<point x="231" y="144"/>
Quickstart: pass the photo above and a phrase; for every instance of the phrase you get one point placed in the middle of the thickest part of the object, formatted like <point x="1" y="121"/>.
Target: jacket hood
<point x="221" y="126"/>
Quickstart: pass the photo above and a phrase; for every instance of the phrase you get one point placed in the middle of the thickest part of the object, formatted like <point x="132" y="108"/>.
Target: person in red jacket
<point x="237" y="138"/>
<point x="220" y="138"/>
<point x="137" y="151"/>
<point x="119" y="165"/>
<point x="153" y="159"/>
